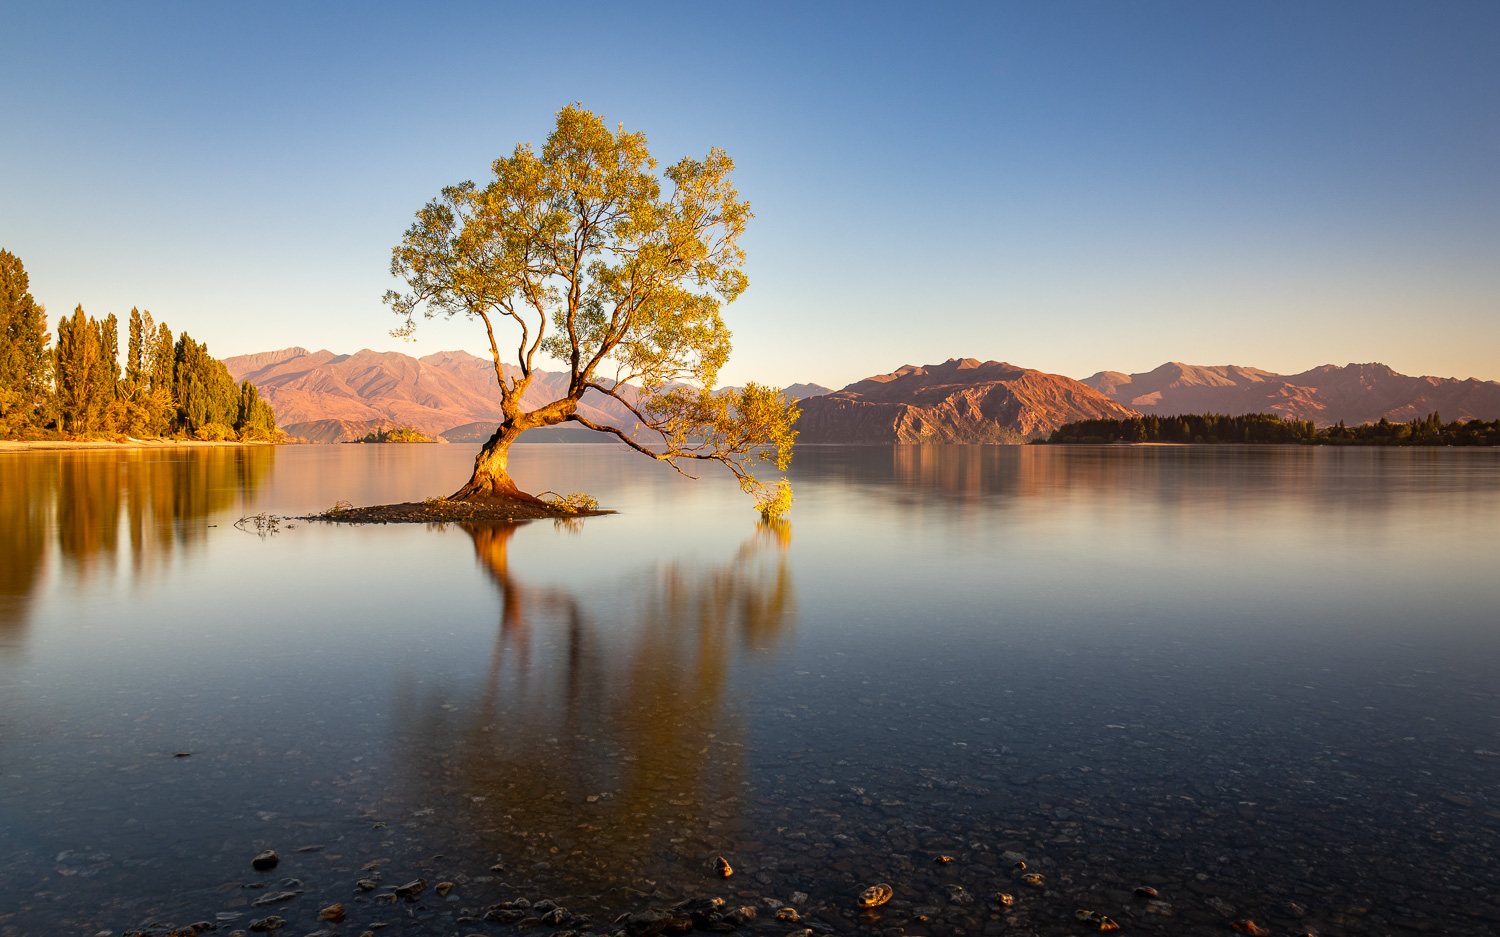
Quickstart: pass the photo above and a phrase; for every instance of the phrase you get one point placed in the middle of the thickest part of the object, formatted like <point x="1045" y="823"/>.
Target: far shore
<point x="21" y="445"/>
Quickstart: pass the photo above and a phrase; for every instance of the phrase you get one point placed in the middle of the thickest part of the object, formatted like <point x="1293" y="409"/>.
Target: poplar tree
<point x="79" y="372"/>
<point x="162" y="360"/>
<point x="25" y="361"/>
<point x="149" y="409"/>
<point x="137" y="351"/>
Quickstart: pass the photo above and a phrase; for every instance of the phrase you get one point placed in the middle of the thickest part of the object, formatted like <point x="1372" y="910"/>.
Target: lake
<point x="1262" y="681"/>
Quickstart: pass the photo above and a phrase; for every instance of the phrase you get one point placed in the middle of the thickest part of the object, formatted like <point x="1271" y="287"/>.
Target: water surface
<point x="1261" y="680"/>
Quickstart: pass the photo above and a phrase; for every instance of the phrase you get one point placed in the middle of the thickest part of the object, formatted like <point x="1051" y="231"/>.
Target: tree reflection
<point x="88" y="501"/>
<point x="28" y="495"/>
<point x="603" y="748"/>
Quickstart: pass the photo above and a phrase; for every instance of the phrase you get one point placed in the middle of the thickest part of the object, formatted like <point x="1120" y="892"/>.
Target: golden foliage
<point x="575" y="503"/>
<point x="774" y="503"/>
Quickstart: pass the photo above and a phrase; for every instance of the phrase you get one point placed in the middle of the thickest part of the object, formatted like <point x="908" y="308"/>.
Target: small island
<point x="398" y="434"/>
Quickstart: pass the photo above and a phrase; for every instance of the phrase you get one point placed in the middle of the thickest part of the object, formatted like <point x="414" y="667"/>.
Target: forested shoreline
<point x="77" y="389"/>
<point x="1268" y="428"/>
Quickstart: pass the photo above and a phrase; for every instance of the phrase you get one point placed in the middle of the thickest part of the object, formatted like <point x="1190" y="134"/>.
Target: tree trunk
<point x="491" y="481"/>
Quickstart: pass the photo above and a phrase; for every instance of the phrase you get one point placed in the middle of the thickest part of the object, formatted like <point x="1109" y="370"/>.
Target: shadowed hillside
<point x="960" y="401"/>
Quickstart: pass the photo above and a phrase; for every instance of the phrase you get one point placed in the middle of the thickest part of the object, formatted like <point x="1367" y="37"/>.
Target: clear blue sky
<point x="1067" y="186"/>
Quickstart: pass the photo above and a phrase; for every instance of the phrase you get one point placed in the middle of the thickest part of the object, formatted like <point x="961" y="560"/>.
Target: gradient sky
<point x="1066" y="186"/>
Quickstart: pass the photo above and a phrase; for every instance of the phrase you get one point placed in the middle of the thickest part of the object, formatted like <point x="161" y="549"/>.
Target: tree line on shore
<point x="77" y="387"/>
<point x="1209" y="428"/>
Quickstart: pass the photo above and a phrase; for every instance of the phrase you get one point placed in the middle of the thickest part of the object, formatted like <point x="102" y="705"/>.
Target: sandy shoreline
<point x="18" y="445"/>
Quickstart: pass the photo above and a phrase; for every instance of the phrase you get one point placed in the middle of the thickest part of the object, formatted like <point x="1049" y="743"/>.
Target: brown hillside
<point x="432" y="394"/>
<point x="1355" y="393"/>
<point x="959" y="401"/>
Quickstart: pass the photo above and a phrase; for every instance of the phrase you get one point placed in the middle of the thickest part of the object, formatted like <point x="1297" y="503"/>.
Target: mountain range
<point x="453" y="396"/>
<point x="963" y="400"/>
<point x="1353" y="394"/>
<point x="450" y="395"/>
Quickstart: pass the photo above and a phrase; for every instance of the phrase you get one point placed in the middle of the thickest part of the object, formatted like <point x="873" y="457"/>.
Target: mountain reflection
<point x="95" y="504"/>
<point x="1168" y="477"/>
<point x="602" y="748"/>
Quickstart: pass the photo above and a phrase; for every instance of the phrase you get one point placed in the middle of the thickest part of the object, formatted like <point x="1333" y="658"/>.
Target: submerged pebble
<point x="875" y="896"/>
<point x="1100" y="921"/>
<point x="265" y="861"/>
<point x="412" y="889"/>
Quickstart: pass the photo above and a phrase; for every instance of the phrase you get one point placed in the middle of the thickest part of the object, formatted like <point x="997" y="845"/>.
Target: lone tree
<point x="582" y="253"/>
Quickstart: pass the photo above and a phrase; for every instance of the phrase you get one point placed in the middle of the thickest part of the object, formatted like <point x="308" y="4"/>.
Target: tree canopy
<point x="584" y="253"/>
<point x="77" y="386"/>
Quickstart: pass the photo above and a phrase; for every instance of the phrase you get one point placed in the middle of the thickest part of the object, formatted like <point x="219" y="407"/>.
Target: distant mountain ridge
<point x="962" y="400"/>
<point x="1354" y="393"/>
<point x="449" y="395"/>
<point x="433" y="394"/>
<point x="453" y="394"/>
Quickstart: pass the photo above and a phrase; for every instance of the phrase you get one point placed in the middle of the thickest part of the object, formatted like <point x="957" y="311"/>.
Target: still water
<point x="1262" y="681"/>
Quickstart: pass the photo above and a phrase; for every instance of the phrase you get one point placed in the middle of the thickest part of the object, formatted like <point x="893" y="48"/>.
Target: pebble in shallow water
<point x="412" y="889"/>
<point x="1250" y="927"/>
<point x="1006" y="900"/>
<point x="1145" y="891"/>
<point x="504" y="915"/>
<point x="265" y="861"/>
<point x="1102" y="922"/>
<point x="334" y="912"/>
<point x="875" y="896"/>
<point x="721" y="867"/>
<point x="1033" y="878"/>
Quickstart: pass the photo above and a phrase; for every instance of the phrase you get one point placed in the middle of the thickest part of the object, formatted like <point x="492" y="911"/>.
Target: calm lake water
<point x="1260" y="680"/>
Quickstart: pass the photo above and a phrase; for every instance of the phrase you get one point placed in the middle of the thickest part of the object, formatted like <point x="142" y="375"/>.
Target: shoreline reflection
<point x="93" y="504"/>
